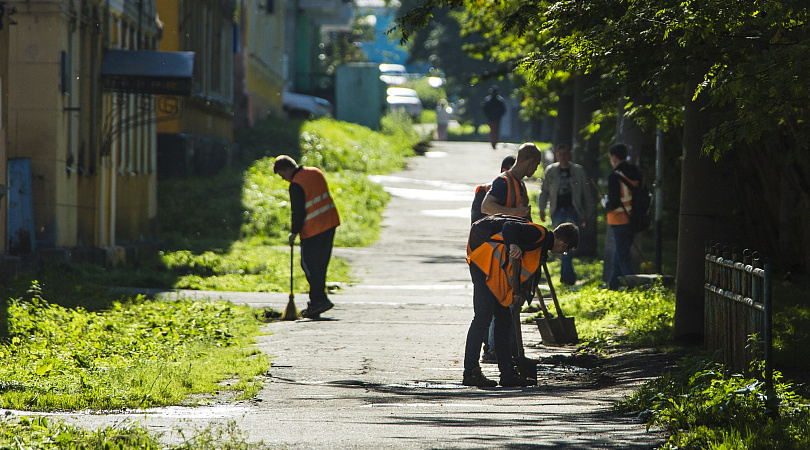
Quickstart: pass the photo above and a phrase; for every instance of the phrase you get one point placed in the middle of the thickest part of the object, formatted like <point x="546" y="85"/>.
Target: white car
<point x="393" y="74"/>
<point x="404" y="99"/>
<point x="303" y="106"/>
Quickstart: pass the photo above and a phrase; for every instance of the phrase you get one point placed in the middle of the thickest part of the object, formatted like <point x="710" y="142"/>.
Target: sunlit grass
<point x="135" y="354"/>
<point x="42" y="433"/>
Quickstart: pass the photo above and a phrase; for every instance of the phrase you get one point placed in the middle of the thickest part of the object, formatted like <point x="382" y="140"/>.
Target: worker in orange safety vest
<point x="314" y="218"/>
<point x="491" y="271"/>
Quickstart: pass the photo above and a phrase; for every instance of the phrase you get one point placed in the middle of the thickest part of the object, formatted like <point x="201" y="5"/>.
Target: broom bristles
<point x="291" y="312"/>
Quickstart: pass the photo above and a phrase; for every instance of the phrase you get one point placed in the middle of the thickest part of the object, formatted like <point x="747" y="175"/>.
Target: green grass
<point x="637" y="317"/>
<point x="39" y="433"/>
<point x="228" y="232"/>
<point x="134" y="354"/>
<point x="702" y="406"/>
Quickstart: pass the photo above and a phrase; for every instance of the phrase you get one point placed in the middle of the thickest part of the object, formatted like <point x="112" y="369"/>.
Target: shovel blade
<point x="558" y="331"/>
<point x="546" y="332"/>
<point x="568" y="331"/>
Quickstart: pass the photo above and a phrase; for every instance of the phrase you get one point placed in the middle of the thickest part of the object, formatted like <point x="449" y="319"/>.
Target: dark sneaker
<point x="489" y="357"/>
<point x="306" y="314"/>
<point x="478" y="379"/>
<point x="314" y="311"/>
<point x="515" y="380"/>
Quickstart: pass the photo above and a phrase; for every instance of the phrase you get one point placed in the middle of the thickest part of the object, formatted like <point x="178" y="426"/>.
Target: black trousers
<point x="316" y="251"/>
<point x="485" y="307"/>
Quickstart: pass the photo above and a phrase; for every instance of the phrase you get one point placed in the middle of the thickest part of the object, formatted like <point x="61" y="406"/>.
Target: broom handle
<point x="291" y="272"/>
<point x="553" y="292"/>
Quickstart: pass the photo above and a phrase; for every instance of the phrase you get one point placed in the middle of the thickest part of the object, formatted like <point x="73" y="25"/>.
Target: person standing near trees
<point x="494" y="110"/>
<point x="508" y="194"/>
<point x="443" y="113"/>
<point x="618" y="203"/>
<point x="565" y="190"/>
<point x="315" y="218"/>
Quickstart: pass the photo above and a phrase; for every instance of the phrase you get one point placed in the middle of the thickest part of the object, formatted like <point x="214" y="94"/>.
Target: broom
<point x="291" y="313"/>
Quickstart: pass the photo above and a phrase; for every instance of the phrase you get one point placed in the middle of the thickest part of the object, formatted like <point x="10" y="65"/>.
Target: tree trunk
<point x="564" y="126"/>
<point x="705" y="214"/>
<point x="586" y="152"/>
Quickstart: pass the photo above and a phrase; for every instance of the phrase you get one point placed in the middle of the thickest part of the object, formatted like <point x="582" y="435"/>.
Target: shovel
<point x="562" y="328"/>
<point x="291" y="312"/>
<point x="548" y="327"/>
<point x="526" y="367"/>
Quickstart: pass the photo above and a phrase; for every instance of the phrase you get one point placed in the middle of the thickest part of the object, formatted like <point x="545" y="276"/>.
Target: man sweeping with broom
<point x="314" y="218"/>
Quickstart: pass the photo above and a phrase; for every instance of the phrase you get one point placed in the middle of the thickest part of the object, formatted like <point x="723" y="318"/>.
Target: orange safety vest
<point x="514" y="195"/>
<point x="319" y="206"/>
<point x="492" y="258"/>
<point x="621" y="215"/>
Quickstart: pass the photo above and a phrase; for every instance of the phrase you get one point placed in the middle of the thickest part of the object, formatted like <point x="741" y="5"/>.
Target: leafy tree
<point x="443" y="44"/>
<point x="731" y="73"/>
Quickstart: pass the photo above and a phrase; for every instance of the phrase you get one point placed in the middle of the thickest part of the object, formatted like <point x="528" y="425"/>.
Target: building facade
<point x="195" y="134"/>
<point x="89" y="152"/>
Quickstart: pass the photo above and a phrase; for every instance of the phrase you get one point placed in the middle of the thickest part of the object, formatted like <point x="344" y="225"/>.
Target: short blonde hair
<point x="528" y="151"/>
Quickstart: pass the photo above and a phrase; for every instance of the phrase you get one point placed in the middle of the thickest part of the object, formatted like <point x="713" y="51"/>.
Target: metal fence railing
<point x="738" y="314"/>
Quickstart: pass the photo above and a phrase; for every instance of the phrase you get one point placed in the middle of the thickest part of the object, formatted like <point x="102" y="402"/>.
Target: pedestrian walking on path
<point x="493" y="240"/>
<point x="314" y="217"/>
<point x="494" y="110"/>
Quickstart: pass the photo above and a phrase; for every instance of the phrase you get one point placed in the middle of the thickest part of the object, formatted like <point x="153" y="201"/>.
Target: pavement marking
<point x="413" y="287"/>
<point x="460" y="212"/>
<point x="431" y="194"/>
<point x="444" y="185"/>
<point x="427" y="405"/>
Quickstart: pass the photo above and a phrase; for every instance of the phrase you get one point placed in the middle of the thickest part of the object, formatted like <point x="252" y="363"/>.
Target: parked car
<point x="393" y="74"/>
<point x="404" y="99"/>
<point x="302" y="106"/>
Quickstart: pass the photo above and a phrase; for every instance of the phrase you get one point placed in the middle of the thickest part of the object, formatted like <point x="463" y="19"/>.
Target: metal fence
<point x="738" y="313"/>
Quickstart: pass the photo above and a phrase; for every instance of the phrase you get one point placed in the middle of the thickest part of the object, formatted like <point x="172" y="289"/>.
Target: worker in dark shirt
<point x="495" y="243"/>
<point x="314" y="218"/>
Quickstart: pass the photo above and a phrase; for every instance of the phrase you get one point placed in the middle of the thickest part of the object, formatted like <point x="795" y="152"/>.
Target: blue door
<point x="20" y="207"/>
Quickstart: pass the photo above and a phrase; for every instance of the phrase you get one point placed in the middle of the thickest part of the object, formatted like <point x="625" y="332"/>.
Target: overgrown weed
<point x="703" y="406"/>
<point x="136" y="354"/>
<point x="41" y="433"/>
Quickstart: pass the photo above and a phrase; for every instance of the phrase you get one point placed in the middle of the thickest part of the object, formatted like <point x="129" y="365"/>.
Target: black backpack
<point x="483" y="229"/>
<point x="641" y="202"/>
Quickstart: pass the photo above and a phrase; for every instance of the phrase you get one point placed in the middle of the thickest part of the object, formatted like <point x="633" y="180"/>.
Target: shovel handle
<point x="517" y="305"/>
<point x="553" y="292"/>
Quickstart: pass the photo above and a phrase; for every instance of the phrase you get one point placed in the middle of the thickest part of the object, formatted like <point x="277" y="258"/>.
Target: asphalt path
<point x="383" y="368"/>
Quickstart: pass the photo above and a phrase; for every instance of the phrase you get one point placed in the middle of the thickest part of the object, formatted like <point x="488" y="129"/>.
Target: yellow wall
<point x="264" y="88"/>
<point x="41" y="126"/>
<point x="265" y="56"/>
<point x="168" y="12"/>
<point x="36" y="121"/>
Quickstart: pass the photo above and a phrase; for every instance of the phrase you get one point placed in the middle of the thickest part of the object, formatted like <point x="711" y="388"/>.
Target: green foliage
<point x="39" y="433"/>
<point x="428" y="94"/>
<point x="340" y="146"/>
<point x="466" y="132"/>
<point x="360" y="204"/>
<point x="638" y="317"/>
<point x="398" y="125"/>
<point x="702" y="406"/>
<point x="135" y="354"/>
<point x="225" y="245"/>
